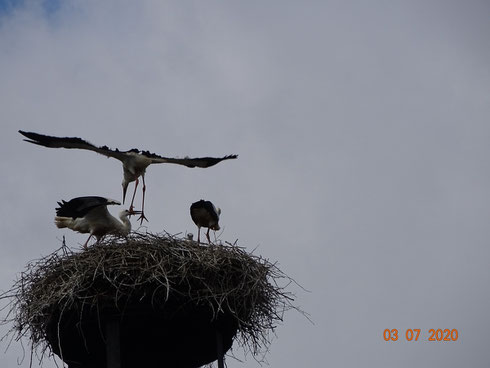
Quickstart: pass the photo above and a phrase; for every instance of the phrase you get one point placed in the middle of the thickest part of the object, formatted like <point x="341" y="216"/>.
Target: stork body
<point x="90" y="215"/>
<point x="205" y="214"/>
<point x="134" y="161"/>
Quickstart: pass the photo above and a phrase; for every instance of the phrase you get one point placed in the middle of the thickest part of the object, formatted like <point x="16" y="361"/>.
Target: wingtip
<point x="113" y="201"/>
<point x="30" y="135"/>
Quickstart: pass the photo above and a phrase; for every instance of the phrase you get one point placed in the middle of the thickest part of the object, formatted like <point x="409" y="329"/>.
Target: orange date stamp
<point x="415" y="335"/>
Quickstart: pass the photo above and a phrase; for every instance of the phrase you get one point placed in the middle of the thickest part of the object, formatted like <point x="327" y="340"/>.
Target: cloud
<point x="362" y="133"/>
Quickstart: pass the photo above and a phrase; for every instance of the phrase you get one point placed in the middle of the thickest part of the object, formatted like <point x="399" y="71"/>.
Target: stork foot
<point x="132" y="212"/>
<point x="142" y="218"/>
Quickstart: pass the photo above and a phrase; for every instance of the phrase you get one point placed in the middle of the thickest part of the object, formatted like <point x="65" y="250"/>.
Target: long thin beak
<point x="125" y="189"/>
<point x="136" y="212"/>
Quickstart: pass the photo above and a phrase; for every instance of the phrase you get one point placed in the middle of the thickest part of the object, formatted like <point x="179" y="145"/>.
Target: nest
<point x="168" y="273"/>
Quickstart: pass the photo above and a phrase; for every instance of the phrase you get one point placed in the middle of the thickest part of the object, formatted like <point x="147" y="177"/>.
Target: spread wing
<point x="74" y="142"/>
<point x="190" y="162"/>
<point x="80" y="206"/>
<point x="71" y="142"/>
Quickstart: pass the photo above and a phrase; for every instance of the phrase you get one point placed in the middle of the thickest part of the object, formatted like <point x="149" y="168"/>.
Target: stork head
<point x="125" y="227"/>
<point x="124" y="214"/>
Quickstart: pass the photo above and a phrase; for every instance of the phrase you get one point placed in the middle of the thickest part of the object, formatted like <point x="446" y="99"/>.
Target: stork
<point x="134" y="161"/>
<point x="90" y="215"/>
<point x="205" y="214"/>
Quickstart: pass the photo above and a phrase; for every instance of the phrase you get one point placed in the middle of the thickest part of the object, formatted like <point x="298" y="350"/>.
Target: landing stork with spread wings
<point x="134" y="161"/>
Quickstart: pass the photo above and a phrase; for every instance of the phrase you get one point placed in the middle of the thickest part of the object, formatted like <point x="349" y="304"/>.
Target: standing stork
<point x="134" y="161"/>
<point x="90" y="215"/>
<point x="205" y="214"/>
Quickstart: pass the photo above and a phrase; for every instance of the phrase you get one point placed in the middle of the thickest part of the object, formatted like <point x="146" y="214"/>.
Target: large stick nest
<point x="113" y="272"/>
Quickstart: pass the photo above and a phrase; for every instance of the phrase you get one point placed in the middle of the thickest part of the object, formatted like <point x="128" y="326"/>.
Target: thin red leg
<point x="142" y="217"/>
<point x="207" y="235"/>
<point x="86" y="243"/>
<point x="131" y="207"/>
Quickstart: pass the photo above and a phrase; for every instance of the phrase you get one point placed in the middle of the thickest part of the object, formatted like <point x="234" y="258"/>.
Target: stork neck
<point x="126" y="224"/>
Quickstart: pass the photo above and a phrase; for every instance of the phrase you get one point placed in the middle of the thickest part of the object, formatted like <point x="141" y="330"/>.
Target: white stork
<point x="90" y="215"/>
<point x="134" y="161"/>
<point x="205" y="214"/>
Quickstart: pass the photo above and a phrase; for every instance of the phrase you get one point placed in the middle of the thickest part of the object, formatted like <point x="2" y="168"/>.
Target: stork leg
<point x="207" y="236"/>
<point x="142" y="217"/>
<point x="198" y="235"/>
<point x="131" y="207"/>
<point x="85" y="245"/>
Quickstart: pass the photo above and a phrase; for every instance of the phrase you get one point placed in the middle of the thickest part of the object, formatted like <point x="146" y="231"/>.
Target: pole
<point x="219" y="349"/>
<point x="113" y="343"/>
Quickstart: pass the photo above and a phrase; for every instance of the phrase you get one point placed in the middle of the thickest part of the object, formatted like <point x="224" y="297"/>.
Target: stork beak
<point x="125" y="189"/>
<point x="135" y="213"/>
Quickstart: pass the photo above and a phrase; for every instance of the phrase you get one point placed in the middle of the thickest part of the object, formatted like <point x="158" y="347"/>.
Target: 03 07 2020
<point x="416" y="334"/>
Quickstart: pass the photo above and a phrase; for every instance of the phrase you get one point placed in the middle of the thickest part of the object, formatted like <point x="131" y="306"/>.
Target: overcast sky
<point x="363" y="134"/>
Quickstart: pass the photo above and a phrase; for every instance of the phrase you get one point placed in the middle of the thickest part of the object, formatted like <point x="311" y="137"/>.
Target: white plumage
<point x="90" y="215"/>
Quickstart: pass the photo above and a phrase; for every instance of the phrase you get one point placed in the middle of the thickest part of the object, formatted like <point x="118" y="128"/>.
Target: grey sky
<point x="363" y="134"/>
